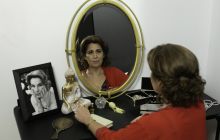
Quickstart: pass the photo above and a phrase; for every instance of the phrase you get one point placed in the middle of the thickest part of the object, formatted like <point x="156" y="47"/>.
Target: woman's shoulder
<point x="116" y="73"/>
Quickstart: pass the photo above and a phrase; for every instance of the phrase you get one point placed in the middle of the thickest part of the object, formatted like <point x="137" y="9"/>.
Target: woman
<point x="42" y="94"/>
<point x="175" y="77"/>
<point x="94" y="65"/>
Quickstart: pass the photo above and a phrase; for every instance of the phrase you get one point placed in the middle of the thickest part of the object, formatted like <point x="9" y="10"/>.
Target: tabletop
<point x="42" y="129"/>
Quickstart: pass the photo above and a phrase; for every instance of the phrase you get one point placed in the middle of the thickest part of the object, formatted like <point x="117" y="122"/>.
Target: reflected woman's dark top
<point x="114" y="78"/>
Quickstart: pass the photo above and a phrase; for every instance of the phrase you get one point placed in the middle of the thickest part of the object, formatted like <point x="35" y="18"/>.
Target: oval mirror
<point x="115" y="23"/>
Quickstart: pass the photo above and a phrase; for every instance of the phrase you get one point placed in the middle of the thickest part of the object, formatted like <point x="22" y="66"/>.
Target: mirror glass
<point x="114" y="27"/>
<point x="115" y="23"/>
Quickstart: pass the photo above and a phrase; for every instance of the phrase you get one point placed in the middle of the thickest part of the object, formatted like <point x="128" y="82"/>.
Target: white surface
<point x="34" y="32"/>
<point x="150" y="107"/>
<point x="104" y="121"/>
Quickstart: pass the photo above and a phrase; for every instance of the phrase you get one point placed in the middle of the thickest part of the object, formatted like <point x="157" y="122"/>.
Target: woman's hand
<point x="36" y="103"/>
<point x="82" y="114"/>
<point x="45" y="98"/>
<point x="41" y="100"/>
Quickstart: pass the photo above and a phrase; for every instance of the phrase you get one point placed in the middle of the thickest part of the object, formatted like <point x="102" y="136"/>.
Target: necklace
<point x="94" y="79"/>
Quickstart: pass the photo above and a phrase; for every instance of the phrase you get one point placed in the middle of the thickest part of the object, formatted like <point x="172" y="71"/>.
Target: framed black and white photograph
<point x="37" y="91"/>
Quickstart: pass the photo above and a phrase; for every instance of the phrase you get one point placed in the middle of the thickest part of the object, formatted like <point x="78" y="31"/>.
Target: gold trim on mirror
<point x="71" y="42"/>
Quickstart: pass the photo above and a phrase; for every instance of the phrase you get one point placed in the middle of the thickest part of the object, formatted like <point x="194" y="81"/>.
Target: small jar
<point x="100" y="102"/>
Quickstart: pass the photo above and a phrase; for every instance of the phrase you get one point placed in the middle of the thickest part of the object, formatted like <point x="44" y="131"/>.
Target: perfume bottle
<point x="100" y="102"/>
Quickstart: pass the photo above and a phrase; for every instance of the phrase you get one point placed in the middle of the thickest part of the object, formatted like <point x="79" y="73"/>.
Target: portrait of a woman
<point x="42" y="93"/>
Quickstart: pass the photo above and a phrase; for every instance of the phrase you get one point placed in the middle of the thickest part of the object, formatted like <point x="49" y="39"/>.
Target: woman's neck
<point x="95" y="77"/>
<point x="94" y="71"/>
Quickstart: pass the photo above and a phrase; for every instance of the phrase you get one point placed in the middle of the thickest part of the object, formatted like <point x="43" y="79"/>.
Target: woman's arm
<point x="53" y="103"/>
<point x="48" y="99"/>
<point x="36" y="103"/>
<point x="83" y="115"/>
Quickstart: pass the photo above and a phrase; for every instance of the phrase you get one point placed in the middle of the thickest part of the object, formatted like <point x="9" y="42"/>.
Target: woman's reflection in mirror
<point x="94" y="65"/>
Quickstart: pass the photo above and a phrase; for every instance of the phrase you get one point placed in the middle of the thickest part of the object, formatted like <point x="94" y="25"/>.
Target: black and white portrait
<point x="41" y="92"/>
<point x="37" y="92"/>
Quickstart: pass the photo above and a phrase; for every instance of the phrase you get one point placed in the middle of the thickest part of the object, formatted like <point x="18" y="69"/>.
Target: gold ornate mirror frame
<point x="71" y="42"/>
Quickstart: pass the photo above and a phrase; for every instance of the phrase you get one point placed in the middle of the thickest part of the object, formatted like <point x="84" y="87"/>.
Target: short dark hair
<point x="178" y="70"/>
<point x="84" y="46"/>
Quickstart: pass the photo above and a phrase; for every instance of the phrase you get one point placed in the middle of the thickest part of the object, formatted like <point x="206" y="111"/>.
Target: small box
<point x="143" y="96"/>
<point x="137" y="96"/>
<point x="150" y="107"/>
<point x="146" y="83"/>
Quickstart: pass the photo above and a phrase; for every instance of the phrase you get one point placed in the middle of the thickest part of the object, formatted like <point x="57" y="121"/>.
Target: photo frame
<point x="37" y="91"/>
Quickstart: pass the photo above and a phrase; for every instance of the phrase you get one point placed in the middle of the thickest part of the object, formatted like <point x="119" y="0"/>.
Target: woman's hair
<point x="84" y="46"/>
<point x="177" y="69"/>
<point x="38" y="74"/>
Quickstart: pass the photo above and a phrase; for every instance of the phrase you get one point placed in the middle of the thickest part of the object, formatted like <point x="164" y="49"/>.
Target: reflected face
<point x="36" y="86"/>
<point x="94" y="55"/>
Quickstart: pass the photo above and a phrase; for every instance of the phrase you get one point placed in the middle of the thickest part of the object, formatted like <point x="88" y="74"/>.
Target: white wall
<point x="33" y="32"/>
<point x="213" y="67"/>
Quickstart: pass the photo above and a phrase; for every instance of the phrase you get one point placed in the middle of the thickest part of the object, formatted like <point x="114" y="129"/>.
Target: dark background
<point x="114" y="27"/>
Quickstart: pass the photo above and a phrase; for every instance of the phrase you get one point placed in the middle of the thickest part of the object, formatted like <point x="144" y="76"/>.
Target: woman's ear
<point x="160" y="85"/>
<point x="157" y="85"/>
